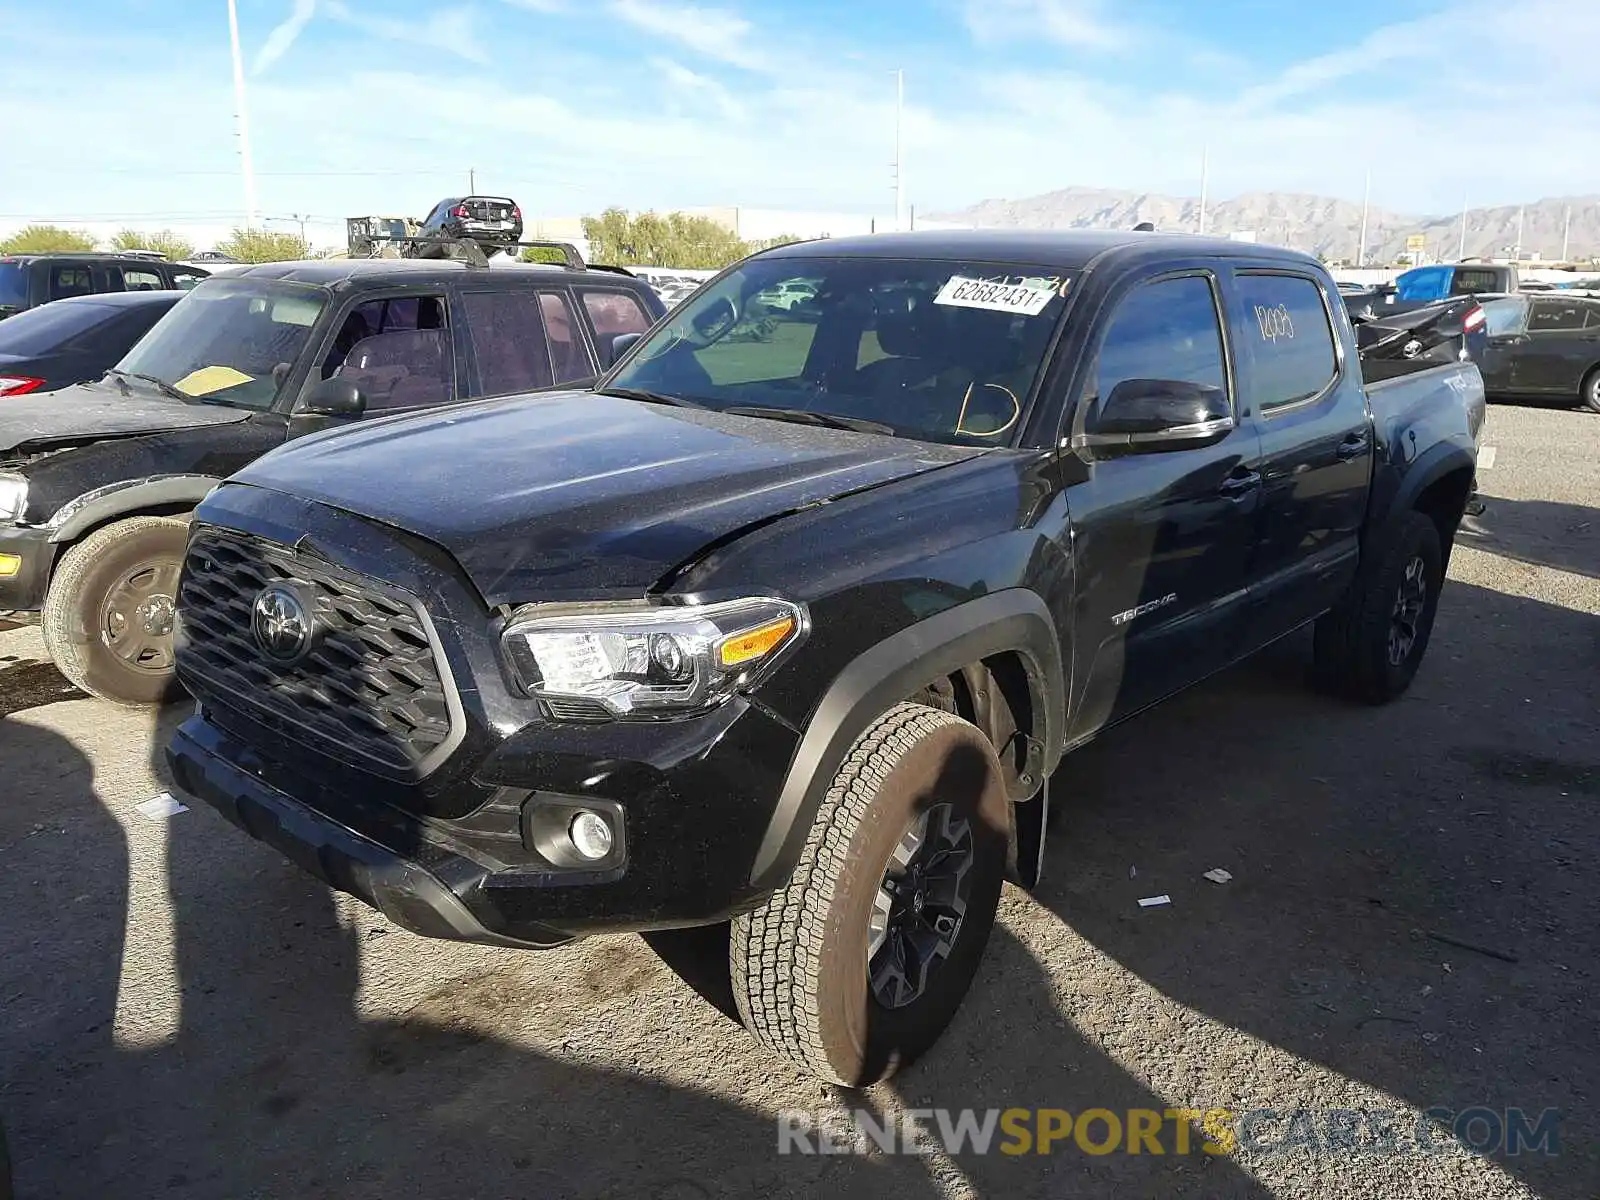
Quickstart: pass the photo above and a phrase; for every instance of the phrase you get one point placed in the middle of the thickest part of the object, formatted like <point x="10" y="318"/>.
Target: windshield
<point x="938" y="351"/>
<point x="50" y="326"/>
<point x="13" y="286"/>
<point x="221" y="343"/>
<point x="1505" y="316"/>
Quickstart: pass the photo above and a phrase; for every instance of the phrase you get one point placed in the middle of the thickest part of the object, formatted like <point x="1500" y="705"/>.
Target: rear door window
<point x="509" y="341"/>
<point x="183" y="280"/>
<point x="1287" y="337"/>
<point x="569" y="356"/>
<point x="1555" y="316"/>
<point x="51" y="327"/>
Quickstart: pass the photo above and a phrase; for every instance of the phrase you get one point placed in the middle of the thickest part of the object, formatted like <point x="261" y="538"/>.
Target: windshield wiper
<point x="161" y="385"/>
<point x="649" y="397"/>
<point x="807" y="416"/>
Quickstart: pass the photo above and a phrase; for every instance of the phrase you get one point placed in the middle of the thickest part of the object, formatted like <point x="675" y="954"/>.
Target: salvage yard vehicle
<point x="493" y="222"/>
<point x="29" y="280"/>
<point x="1544" y="347"/>
<point x="97" y="480"/>
<point x="786" y="627"/>
<point x="1454" y="330"/>
<point x="75" y="340"/>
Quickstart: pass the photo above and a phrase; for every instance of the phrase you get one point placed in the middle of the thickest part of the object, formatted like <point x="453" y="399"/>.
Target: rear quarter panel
<point x="1426" y="425"/>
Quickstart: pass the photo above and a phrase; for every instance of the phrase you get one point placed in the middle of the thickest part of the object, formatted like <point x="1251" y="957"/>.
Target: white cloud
<point x="1081" y="23"/>
<point x="452" y="30"/>
<point x="283" y="36"/>
<point x="682" y="79"/>
<point x="713" y="32"/>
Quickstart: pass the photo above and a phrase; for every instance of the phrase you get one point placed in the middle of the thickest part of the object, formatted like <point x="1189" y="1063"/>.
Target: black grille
<point x="368" y="691"/>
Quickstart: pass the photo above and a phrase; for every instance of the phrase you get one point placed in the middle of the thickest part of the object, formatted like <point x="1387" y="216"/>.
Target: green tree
<point x="651" y="239"/>
<point x="783" y="239"/>
<point x="263" y="246"/>
<point x="43" y="239"/>
<point x="174" y="246"/>
<point x="544" y="254"/>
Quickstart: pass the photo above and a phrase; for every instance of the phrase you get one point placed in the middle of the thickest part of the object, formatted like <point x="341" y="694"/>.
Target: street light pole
<point x="242" y="116"/>
<point x="1205" y="177"/>
<point x="899" y="152"/>
<point x="1566" y="234"/>
<point x="1366" y="200"/>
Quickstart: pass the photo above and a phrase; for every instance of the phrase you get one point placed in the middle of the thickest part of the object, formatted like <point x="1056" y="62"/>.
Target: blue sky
<point x="571" y="105"/>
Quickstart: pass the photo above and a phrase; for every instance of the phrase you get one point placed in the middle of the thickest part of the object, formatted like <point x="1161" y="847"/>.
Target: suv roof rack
<point x="472" y="253"/>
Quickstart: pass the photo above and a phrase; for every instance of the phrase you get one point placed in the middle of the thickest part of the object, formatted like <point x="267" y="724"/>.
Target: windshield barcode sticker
<point x="1025" y="298"/>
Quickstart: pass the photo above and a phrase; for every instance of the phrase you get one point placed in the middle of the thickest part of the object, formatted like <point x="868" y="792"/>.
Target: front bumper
<point x="24" y="591"/>
<point x="412" y="895"/>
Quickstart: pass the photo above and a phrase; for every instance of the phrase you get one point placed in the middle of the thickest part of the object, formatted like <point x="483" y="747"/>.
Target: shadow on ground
<point x="1543" y="533"/>
<point x="1413" y="893"/>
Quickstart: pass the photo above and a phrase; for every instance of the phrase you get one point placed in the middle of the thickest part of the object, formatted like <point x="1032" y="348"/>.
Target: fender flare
<point x="1013" y="620"/>
<point x="1433" y="465"/>
<point x="125" y="499"/>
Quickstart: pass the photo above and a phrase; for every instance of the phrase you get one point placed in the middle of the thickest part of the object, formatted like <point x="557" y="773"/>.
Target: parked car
<point x="788" y="294"/>
<point x="793" y="628"/>
<point x="29" y="280"/>
<point x="97" y="480"/>
<point x="213" y="256"/>
<point x="75" y="340"/>
<point x="490" y="221"/>
<point x="1543" y="347"/>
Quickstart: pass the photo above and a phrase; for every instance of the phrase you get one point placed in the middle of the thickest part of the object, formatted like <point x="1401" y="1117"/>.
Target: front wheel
<point x="109" y="613"/>
<point x="856" y="966"/>
<point x="1369" y="648"/>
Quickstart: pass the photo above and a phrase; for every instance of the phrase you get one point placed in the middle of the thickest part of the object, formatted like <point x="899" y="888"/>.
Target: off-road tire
<point x="1351" y="643"/>
<point x="799" y="963"/>
<point x="71" y="619"/>
<point x="1589" y="392"/>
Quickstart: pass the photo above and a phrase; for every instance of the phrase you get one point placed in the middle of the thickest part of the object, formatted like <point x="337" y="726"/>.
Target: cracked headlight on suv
<point x="13" y="496"/>
<point x="592" y="662"/>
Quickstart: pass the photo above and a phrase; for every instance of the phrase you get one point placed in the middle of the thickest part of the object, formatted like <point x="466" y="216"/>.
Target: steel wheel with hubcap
<point x="109" y="615"/>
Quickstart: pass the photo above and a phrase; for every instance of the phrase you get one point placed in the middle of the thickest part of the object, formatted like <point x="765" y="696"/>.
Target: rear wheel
<point x="109" y="613"/>
<point x="1369" y="648"/>
<point x="1589" y="393"/>
<point x="856" y="966"/>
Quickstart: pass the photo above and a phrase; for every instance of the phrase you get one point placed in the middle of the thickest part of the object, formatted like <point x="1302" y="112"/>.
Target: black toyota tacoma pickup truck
<point x="97" y="480"/>
<point x="789" y="624"/>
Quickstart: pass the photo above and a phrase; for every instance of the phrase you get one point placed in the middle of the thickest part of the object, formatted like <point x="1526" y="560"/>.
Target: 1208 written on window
<point x="1290" y="341"/>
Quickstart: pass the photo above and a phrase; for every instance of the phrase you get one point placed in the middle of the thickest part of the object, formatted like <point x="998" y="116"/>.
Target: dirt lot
<point x="185" y="1015"/>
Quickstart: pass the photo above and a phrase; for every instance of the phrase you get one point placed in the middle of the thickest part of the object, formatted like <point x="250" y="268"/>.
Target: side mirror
<point x="620" y="345"/>
<point x="1158" y="414"/>
<point x="334" y="398"/>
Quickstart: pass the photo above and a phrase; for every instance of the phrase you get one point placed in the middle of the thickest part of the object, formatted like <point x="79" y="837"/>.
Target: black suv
<point x="493" y="222"/>
<point x="785" y="625"/>
<point x="29" y="280"/>
<point x="97" y="480"/>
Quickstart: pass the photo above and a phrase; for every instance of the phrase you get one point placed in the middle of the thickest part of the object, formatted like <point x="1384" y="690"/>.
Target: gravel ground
<point x="188" y="1016"/>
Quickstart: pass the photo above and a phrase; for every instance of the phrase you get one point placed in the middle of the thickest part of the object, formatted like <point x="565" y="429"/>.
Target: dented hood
<point x="574" y="493"/>
<point x="90" y="412"/>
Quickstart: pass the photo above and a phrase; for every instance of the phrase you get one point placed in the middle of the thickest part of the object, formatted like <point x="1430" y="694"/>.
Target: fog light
<point x="10" y="564"/>
<point x="590" y="836"/>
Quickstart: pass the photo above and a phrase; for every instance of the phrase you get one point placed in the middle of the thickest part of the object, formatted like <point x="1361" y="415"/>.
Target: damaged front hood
<point x="91" y="412"/>
<point x="574" y="493"/>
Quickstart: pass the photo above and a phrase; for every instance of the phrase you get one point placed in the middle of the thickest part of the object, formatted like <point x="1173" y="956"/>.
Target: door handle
<point x="1353" y="446"/>
<point x="1240" y="483"/>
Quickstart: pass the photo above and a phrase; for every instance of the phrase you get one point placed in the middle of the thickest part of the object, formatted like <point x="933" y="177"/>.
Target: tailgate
<point x="491" y="210"/>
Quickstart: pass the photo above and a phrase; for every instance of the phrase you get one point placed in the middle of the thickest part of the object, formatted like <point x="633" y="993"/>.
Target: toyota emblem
<point x="281" y="624"/>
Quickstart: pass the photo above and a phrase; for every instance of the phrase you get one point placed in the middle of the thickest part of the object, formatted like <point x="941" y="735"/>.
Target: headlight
<point x="13" y="496"/>
<point x="600" y="661"/>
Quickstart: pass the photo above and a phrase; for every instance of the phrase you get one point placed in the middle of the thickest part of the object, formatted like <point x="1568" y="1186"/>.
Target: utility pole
<point x="1462" y="256"/>
<point x="472" y="181"/>
<point x="1566" y="234"/>
<point x="1521" y="213"/>
<point x="1366" y="201"/>
<point x="899" y="152"/>
<point x="242" y="117"/>
<point x="1205" y="173"/>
